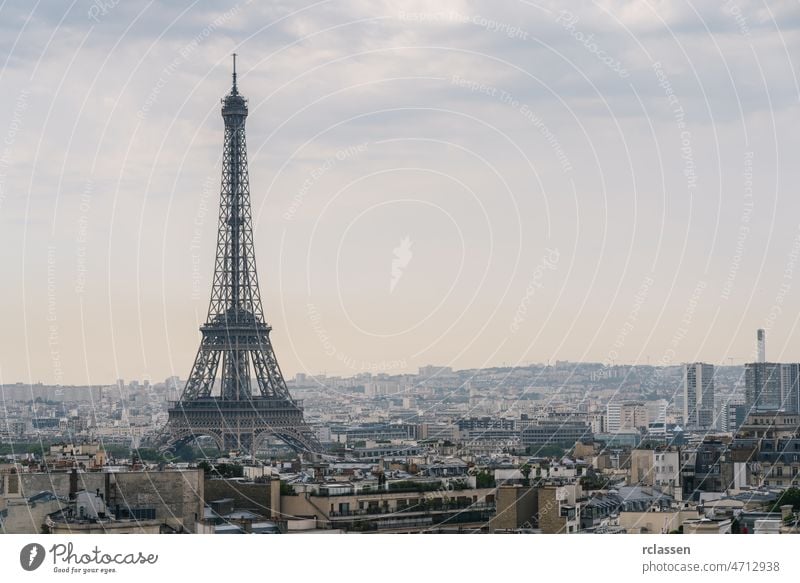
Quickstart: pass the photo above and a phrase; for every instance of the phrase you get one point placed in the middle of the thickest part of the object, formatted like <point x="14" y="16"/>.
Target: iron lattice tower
<point x="252" y="401"/>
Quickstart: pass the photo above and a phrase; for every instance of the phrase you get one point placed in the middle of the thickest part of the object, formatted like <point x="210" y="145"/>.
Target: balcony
<point x="415" y="509"/>
<point x="373" y="520"/>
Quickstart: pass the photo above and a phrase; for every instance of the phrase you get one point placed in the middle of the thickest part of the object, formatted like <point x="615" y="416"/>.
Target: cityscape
<point x="551" y="448"/>
<point x="394" y="364"/>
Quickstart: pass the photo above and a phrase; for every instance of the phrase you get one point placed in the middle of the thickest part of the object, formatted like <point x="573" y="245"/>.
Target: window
<point x="144" y="513"/>
<point x="136" y="513"/>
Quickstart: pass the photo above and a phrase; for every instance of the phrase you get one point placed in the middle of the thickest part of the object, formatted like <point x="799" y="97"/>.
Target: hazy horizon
<point x="466" y="186"/>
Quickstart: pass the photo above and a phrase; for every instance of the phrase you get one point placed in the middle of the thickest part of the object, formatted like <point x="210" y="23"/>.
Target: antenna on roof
<point x="234" y="73"/>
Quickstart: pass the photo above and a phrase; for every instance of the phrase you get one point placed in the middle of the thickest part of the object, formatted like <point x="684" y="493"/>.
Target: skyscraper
<point x="771" y="386"/>
<point x="763" y="386"/>
<point x="761" y="345"/>
<point x="790" y="387"/>
<point x="698" y="395"/>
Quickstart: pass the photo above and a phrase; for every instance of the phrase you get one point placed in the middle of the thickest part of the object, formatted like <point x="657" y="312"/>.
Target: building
<point x="659" y="468"/>
<point x="762" y="386"/>
<point x="656" y="411"/>
<point x="487" y="429"/>
<point x="633" y="416"/>
<point x="484" y="423"/>
<point x="772" y="386"/>
<point x="698" y="395"/>
<point x="27" y="515"/>
<point x="563" y="433"/>
<point x="395" y="506"/>
<point x="517" y="508"/>
<point x="87" y="513"/>
<point x="769" y="425"/>
<point x="174" y="498"/>
<point x="613" y="417"/>
<point x="707" y="468"/>
<point x="707" y="526"/>
<point x="778" y="464"/>
<point x="732" y="417"/>
<point x="598" y="422"/>
<point x="667" y="471"/>
<point x="790" y="387"/>
<point x="626" y="416"/>
<point x="641" y="473"/>
<point x="559" y="508"/>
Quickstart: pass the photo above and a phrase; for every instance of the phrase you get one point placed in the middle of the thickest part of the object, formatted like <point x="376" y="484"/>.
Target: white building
<point x="698" y="395"/>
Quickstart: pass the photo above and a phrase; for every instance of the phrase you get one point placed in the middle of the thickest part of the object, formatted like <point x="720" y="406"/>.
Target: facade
<point x="559" y="509"/>
<point x="708" y="467"/>
<point x="660" y="468"/>
<point x="517" y="507"/>
<point x="485" y="423"/>
<point x="790" y="387"/>
<point x="401" y="507"/>
<point x="772" y="386"/>
<point x="27" y="515"/>
<point x="174" y="498"/>
<point x="656" y="411"/>
<point x="698" y="395"/>
<point x="732" y="417"/>
<point x="626" y="416"/>
<point x="613" y="417"/>
<point x="778" y="464"/>
<point x="87" y="513"/>
<point x="641" y="473"/>
<point x="633" y="416"/>
<point x="648" y="522"/>
<point x="598" y="422"/>
<point x="770" y="425"/>
<point x="556" y="433"/>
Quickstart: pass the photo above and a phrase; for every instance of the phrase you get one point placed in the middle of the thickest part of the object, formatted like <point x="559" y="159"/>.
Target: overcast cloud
<point x="457" y="183"/>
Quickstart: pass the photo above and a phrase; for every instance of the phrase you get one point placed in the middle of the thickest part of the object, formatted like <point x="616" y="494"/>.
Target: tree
<point x="525" y="470"/>
<point x="222" y="470"/>
<point x="484" y="479"/>
<point x="545" y="450"/>
<point x="150" y="454"/>
<point x="593" y="481"/>
<point x="788" y="496"/>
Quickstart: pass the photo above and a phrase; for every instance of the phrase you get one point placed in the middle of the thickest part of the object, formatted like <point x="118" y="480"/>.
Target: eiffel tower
<point x="252" y="401"/>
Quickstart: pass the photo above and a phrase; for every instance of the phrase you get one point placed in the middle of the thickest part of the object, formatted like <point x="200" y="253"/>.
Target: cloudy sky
<point x="456" y="183"/>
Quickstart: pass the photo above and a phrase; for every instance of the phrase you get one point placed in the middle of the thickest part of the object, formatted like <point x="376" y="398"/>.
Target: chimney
<point x="761" y="344"/>
<point x="73" y="483"/>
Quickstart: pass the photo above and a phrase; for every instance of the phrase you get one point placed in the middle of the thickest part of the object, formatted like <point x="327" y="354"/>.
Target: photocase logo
<point x="31" y="556"/>
<point x="402" y="256"/>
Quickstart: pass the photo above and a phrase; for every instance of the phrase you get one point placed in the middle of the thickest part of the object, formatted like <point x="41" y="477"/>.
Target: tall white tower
<point x="698" y="395"/>
<point x="761" y="341"/>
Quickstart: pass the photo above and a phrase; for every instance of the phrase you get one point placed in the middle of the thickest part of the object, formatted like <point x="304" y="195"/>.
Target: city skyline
<point x="507" y="197"/>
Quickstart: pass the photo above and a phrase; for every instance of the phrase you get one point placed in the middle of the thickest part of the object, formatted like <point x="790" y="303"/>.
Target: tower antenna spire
<point x="235" y="90"/>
